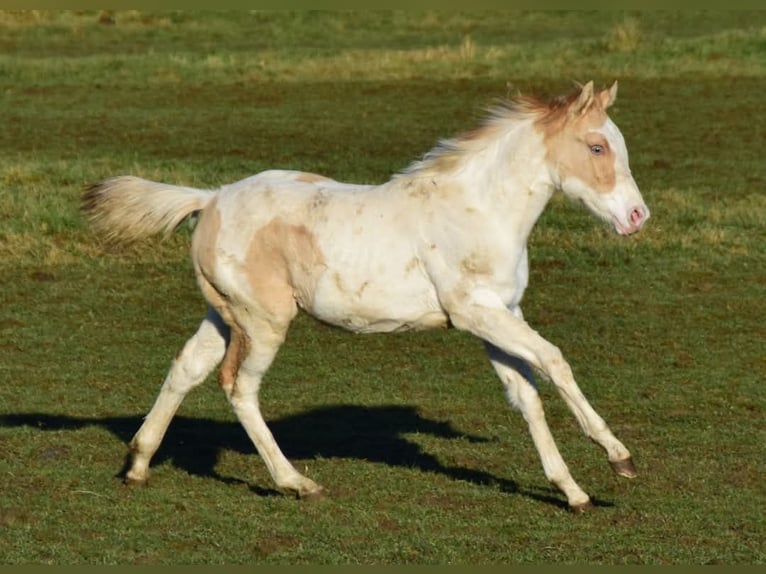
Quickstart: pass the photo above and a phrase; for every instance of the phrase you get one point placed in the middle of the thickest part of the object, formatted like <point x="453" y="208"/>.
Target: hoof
<point x="624" y="468"/>
<point x="315" y="492"/>
<point x="581" y="508"/>
<point x="313" y="495"/>
<point x="128" y="481"/>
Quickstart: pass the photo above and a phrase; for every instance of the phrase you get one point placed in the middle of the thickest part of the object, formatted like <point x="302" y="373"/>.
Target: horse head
<point x="588" y="160"/>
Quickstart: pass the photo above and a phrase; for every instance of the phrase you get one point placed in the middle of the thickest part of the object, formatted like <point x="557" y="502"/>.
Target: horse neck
<point x="508" y="177"/>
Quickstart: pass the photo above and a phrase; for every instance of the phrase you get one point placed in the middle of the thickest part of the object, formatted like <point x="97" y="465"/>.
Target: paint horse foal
<point x="444" y="242"/>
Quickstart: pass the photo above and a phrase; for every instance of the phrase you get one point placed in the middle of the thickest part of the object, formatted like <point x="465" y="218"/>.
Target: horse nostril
<point x="636" y="216"/>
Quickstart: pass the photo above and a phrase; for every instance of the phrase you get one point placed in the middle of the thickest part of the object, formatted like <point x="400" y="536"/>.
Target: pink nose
<point x="637" y="217"/>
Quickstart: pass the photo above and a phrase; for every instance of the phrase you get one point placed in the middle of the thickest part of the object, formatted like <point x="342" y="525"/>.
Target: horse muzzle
<point x="634" y="220"/>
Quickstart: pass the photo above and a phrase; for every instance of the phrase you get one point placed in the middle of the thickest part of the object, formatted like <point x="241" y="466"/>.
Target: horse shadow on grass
<point x="374" y="434"/>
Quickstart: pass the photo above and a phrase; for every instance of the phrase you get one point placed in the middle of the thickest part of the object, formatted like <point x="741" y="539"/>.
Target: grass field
<point x="424" y="461"/>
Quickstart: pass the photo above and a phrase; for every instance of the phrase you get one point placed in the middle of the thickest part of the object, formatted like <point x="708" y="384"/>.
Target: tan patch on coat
<point x="283" y="264"/>
<point x="205" y="260"/>
<point x="568" y="142"/>
<point x="476" y="264"/>
<point x="602" y="172"/>
<point x="205" y="267"/>
<point x="236" y="353"/>
<point x="206" y="236"/>
<point x="308" y="177"/>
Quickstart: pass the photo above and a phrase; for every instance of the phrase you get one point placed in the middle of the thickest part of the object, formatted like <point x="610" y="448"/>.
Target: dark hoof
<point x="581" y="508"/>
<point x="624" y="468"/>
<point x="314" y="495"/>
<point x="306" y="494"/>
<point x="135" y="481"/>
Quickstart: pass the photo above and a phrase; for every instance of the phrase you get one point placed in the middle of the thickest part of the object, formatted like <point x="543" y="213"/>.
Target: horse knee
<point x="554" y="365"/>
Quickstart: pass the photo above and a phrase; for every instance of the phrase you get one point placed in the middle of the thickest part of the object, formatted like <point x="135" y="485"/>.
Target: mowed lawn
<point x="423" y="459"/>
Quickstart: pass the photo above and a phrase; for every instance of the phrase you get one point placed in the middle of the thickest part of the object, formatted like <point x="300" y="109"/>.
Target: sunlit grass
<point x="138" y="47"/>
<point x="410" y="433"/>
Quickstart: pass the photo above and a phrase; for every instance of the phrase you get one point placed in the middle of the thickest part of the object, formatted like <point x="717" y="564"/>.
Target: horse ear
<point x="583" y="101"/>
<point x="607" y="97"/>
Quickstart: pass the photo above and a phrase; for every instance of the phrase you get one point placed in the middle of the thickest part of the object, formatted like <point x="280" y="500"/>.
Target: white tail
<point x="128" y="208"/>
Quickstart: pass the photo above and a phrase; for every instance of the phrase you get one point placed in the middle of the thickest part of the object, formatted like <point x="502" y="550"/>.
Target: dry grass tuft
<point x="625" y="36"/>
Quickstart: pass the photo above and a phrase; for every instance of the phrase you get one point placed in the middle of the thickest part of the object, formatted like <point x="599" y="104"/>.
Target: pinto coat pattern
<point x="442" y="243"/>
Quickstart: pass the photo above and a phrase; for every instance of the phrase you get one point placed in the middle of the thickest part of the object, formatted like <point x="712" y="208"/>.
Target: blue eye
<point x="597" y="149"/>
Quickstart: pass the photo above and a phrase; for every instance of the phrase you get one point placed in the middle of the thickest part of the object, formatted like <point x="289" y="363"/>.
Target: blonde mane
<point x="446" y="155"/>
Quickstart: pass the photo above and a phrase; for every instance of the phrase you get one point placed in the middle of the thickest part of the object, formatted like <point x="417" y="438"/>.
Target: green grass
<point x="423" y="459"/>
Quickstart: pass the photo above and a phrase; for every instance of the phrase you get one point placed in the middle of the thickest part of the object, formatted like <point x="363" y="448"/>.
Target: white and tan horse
<point x="443" y="243"/>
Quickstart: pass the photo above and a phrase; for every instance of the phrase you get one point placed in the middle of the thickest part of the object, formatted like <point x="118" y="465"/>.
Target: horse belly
<point x="367" y="303"/>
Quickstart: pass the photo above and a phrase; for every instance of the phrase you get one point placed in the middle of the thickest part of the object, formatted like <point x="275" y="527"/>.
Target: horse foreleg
<point x="590" y="422"/>
<point x="593" y="425"/>
<point x="191" y="367"/>
<point x="483" y="313"/>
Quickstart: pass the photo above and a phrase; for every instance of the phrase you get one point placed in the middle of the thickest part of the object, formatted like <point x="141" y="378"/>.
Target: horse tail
<point x="128" y="208"/>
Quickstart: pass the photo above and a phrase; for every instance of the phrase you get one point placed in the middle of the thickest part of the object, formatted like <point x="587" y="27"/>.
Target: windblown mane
<point x="500" y="117"/>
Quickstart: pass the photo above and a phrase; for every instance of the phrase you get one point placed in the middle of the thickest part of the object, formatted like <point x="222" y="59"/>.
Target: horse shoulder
<point x="469" y="259"/>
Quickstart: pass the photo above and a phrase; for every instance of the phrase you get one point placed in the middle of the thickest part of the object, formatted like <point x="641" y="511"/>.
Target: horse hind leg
<point x="516" y="376"/>
<point x="253" y="347"/>
<point x="192" y="365"/>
